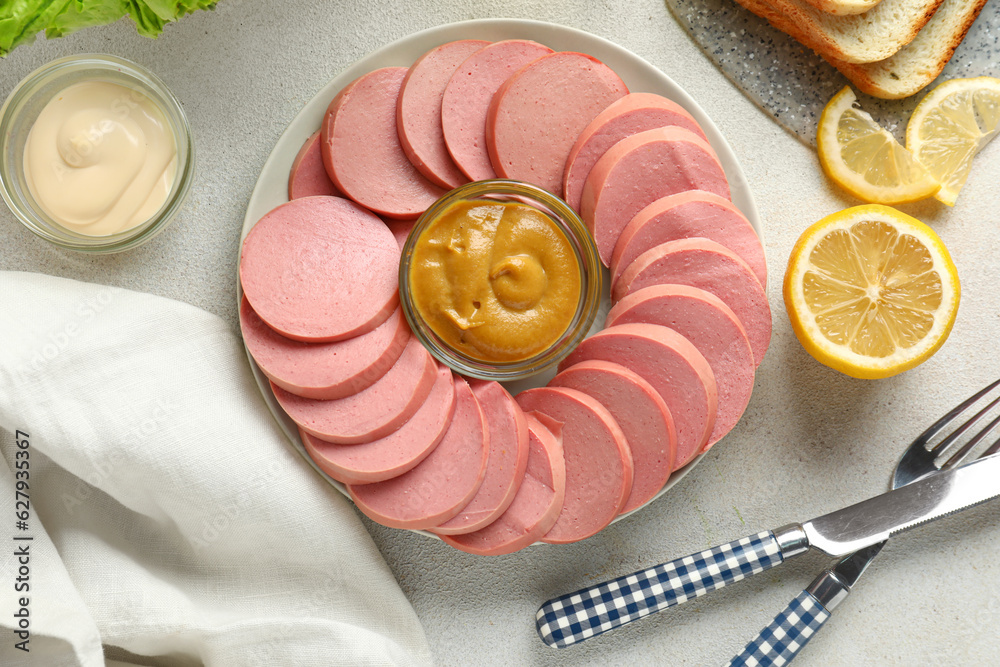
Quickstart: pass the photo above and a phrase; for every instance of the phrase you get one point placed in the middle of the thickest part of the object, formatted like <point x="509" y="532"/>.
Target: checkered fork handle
<point x="781" y="641"/>
<point x="592" y="611"/>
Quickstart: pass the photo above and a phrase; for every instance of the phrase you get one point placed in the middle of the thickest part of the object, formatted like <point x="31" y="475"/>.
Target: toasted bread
<point x="860" y="38"/>
<point x="919" y="62"/>
<point x="914" y="65"/>
<point x="843" y="7"/>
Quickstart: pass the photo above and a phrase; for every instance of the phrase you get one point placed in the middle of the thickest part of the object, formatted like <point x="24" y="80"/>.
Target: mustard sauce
<point x="497" y="281"/>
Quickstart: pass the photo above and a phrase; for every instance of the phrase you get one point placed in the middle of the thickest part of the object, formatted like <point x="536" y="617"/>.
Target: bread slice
<point x="860" y="38"/>
<point x="914" y="65"/>
<point x="921" y="61"/>
<point x="843" y="7"/>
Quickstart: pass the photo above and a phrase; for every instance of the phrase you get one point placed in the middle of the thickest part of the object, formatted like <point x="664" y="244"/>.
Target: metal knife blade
<point x="876" y="519"/>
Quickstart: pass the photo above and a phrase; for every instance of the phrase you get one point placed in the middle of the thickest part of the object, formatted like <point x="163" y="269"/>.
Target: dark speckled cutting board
<point x="793" y="84"/>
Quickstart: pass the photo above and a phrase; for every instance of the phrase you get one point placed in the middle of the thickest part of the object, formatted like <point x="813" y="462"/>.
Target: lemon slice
<point x="950" y="126"/>
<point x="870" y="291"/>
<point x="865" y="159"/>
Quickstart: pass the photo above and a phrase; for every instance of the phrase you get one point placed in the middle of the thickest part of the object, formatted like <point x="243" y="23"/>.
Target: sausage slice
<point x="372" y="413"/>
<point x="507" y="460"/>
<point x="536" y="116"/>
<point x="634" y="113"/>
<point x="538" y="501"/>
<point x="673" y="366"/>
<point x="362" y="153"/>
<point x="418" y="111"/>
<point x="598" y="461"/>
<point x="637" y="171"/>
<point x="308" y="176"/>
<point x="396" y="453"/>
<point x="299" y="267"/>
<point x="324" y="370"/>
<point x="712" y="327"/>
<point x="467" y="99"/>
<point x="709" y="266"/>
<point x="686" y="215"/>
<point x="443" y="483"/>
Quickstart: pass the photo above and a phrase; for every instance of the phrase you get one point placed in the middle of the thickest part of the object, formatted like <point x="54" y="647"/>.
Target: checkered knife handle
<point x="572" y="618"/>
<point x="781" y="641"/>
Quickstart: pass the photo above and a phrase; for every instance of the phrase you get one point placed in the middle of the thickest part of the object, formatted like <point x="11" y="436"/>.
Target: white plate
<point x="272" y="186"/>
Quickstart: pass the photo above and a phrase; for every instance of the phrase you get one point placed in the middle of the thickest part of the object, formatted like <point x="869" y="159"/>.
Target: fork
<point x="592" y="611"/>
<point x="791" y="630"/>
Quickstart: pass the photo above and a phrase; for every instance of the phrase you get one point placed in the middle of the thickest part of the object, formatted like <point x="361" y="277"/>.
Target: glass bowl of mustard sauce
<point x="96" y="153"/>
<point x="500" y="280"/>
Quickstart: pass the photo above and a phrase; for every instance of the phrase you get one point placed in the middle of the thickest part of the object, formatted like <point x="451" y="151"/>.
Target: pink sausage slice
<point x="642" y="415"/>
<point x="308" y="176"/>
<point x="507" y="460"/>
<point x="467" y="99"/>
<point x="299" y="268"/>
<point x="673" y="366"/>
<point x="372" y="413"/>
<point x="686" y="215"/>
<point x="536" y="116"/>
<point x="397" y="452"/>
<point x="324" y="370"/>
<point x="400" y="230"/>
<point x="598" y="461"/>
<point x="362" y="153"/>
<point x="538" y="501"/>
<point x="443" y="483"/>
<point x="712" y="327"/>
<point x="637" y="171"/>
<point x="418" y="111"/>
<point x="634" y="113"/>
<point x="709" y="266"/>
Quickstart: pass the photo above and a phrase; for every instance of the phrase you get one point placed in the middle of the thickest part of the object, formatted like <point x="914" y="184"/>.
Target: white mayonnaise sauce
<point x="100" y="158"/>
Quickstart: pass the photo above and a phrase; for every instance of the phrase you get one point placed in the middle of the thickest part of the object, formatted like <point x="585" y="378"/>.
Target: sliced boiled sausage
<point x="362" y="153"/>
<point x="400" y="230"/>
<point x="634" y="113"/>
<point x="443" y="483"/>
<point x="538" y="501"/>
<point x="640" y="169"/>
<point x="299" y="268"/>
<point x="324" y="370"/>
<point x="686" y="215"/>
<point x="372" y="413"/>
<point x="396" y="453"/>
<point x="712" y="327"/>
<point x="418" y="111"/>
<point x="308" y="176"/>
<point x="673" y="366"/>
<point x="598" y="461"/>
<point x="507" y="460"/>
<point x="709" y="266"/>
<point x="640" y="412"/>
<point x="467" y="99"/>
<point x="536" y="116"/>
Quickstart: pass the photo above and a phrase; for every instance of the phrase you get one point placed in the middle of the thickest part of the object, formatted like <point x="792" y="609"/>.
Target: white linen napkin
<point x="169" y="516"/>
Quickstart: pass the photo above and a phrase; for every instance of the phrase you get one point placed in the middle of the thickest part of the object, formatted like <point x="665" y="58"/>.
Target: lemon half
<point x="870" y="291"/>
<point x="950" y="126"/>
<point x="865" y="159"/>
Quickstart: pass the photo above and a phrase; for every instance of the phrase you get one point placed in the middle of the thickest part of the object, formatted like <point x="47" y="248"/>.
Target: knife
<point x="571" y="618"/>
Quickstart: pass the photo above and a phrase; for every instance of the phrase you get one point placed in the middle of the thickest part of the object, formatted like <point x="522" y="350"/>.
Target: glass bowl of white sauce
<point x="96" y="153"/>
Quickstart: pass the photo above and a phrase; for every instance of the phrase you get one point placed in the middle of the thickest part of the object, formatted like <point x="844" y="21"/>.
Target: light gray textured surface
<point x="811" y="440"/>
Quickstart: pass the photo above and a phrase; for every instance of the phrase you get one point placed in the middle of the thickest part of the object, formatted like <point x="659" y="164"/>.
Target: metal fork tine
<point x="994" y="448"/>
<point x="950" y="416"/>
<point x="958" y="432"/>
<point x="968" y="447"/>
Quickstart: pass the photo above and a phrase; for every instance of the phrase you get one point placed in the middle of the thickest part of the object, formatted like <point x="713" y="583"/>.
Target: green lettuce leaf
<point x="22" y="20"/>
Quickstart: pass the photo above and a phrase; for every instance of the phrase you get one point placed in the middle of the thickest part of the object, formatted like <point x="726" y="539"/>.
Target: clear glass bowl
<point x="21" y="109"/>
<point x="588" y="264"/>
